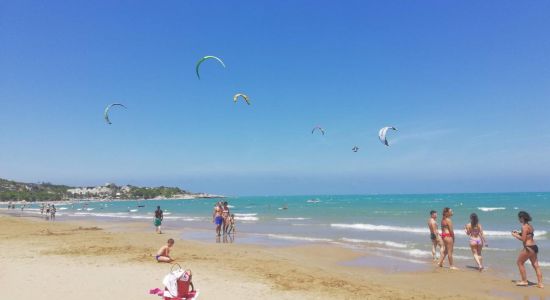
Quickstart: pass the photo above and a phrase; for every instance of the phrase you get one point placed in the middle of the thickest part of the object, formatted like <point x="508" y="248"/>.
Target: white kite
<point x="382" y="135"/>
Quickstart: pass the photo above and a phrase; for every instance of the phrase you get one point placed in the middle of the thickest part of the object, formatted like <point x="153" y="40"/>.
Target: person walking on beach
<point x="217" y="218"/>
<point x="448" y="236"/>
<point x="53" y="210"/>
<point x="530" y="249"/>
<point x="163" y="255"/>
<point x="159" y="216"/>
<point x="477" y="239"/>
<point x="42" y="208"/>
<point x="434" y="235"/>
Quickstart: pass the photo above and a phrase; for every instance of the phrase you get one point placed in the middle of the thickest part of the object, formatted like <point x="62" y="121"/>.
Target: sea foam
<point x="297" y="238"/>
<point x="488" y="209"/>
<point x="385" y="243"/>
<point x="381" y="228"/>
<point x="543" y="264"/>
<point x="246" y="217"/>
<point x="422" y="230"/>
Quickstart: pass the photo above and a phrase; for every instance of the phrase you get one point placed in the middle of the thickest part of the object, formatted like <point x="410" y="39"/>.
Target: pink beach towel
<point x="190" y="296"/>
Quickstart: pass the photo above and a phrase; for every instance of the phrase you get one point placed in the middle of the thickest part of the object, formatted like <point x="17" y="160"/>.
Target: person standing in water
<point x="53" y="210"/>
<point x="48" y="211"/>
<point x="477" y="239"/>
<point x="434" y="235"/>
<point x="159" y="216"/>
<point x="448" y="236"/>
<point x="217" y="218"/>
<point x="530" y="249"/>
<point x="232" y="228"/>
<point x="225" y="216"/>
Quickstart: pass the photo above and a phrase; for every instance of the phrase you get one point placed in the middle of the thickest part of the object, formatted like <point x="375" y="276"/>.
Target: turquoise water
<point x="389" y="226"/>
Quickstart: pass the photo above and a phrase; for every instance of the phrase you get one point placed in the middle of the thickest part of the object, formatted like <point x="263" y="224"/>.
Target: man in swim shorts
<point x="163" y="255"/>
<point x="217" y="218"/>
<point x="434" y="235"/>
<point x="158" y="219"/>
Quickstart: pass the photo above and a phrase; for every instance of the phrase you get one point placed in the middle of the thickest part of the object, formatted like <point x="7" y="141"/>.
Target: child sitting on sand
<point x="163" y="255"/>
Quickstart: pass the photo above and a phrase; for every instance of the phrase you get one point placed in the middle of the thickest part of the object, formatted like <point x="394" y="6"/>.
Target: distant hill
<point x="18" y="191"/>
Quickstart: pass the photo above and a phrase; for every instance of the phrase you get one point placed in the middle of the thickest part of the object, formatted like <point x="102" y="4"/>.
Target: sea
<point x="388" y="231"/>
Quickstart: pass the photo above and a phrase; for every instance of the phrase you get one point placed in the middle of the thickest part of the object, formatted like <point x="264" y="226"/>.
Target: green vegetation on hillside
<point x="148" y="193"/>
<point x="18" y="191"/>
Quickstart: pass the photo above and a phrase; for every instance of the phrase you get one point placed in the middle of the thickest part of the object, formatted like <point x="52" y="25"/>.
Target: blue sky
<point x="467" y="84"/>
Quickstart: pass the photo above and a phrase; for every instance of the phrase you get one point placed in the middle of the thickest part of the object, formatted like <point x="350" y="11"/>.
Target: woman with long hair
<point x="530" y="249"/>
<point x="477" y="239"/>
<point x="448" y="236"/>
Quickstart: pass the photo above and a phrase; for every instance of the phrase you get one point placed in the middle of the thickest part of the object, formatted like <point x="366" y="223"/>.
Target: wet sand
<point x="92" y="260"/>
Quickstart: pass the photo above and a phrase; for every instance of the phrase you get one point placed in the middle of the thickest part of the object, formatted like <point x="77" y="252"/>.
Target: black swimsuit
<point x="535" y="248"/>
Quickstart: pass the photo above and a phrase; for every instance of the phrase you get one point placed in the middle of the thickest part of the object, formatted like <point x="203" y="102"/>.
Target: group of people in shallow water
<point x="224" y="220"/>
<point x="445" y="240"/>
<point x="49" y="210"/>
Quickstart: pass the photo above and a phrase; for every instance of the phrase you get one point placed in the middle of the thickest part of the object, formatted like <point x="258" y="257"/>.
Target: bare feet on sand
<point x="522" y="283"/>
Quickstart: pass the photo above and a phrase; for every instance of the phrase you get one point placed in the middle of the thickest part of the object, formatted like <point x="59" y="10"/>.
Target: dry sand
<point x="84" y="260"/>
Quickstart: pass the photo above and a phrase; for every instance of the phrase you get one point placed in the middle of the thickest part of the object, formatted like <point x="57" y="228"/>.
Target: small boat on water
<point x="313" y="201"/>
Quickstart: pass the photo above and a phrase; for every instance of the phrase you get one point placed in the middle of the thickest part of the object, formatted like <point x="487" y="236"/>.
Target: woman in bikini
<point x="448" y="236"/>
<point x="225" y="216"/>
<point x="477" y="239"/>
<point x="530" y="249"/>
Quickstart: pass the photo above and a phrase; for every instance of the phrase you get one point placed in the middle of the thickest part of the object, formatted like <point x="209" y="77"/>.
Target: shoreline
<point x="94" y="200"/>
<point x="307" y="271"/>
<point x="390" y="245"/>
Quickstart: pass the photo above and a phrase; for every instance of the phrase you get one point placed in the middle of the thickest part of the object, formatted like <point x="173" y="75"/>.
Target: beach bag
<point x="186" y="290"/>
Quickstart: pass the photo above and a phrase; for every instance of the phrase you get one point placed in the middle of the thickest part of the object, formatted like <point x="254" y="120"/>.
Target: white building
<point x="94" y="191"/>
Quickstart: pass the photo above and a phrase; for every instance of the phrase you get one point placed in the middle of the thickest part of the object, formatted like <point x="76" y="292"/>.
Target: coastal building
<point x="105" y="190"/>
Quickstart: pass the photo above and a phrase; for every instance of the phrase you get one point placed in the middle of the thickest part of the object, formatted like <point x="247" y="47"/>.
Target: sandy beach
<point x="65" y="260"/>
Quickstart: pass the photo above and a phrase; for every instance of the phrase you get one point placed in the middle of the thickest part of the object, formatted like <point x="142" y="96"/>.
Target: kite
<point x="245" y="97"/>
<point x="106" y="113"/>
<point x="382" y="135"/>
<point x="205" y="58"/>
<point x="318" y="128"/>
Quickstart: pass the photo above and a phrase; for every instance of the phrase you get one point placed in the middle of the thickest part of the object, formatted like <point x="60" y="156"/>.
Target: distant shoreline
<point x="159" y="198"/>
